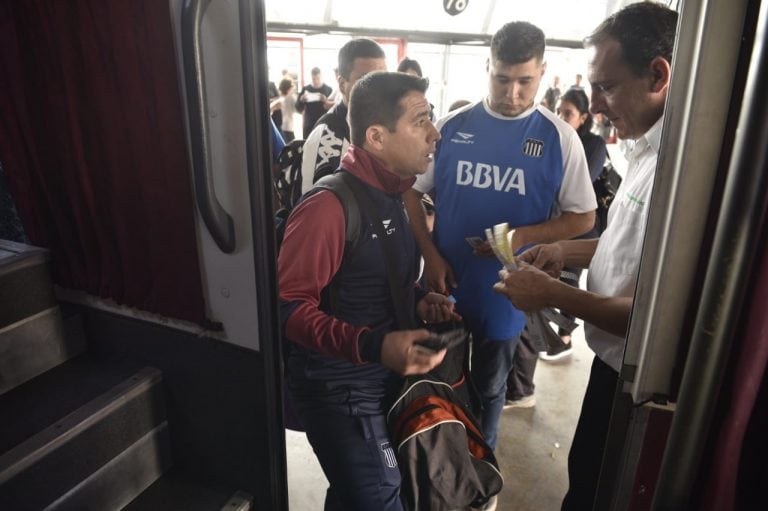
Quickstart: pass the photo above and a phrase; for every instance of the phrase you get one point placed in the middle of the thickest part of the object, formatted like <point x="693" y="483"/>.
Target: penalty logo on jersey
<point x="389" y="455"/>
<point x="533" y="148"/>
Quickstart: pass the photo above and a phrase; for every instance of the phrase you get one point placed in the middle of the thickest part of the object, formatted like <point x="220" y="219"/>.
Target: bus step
<point x="99" y="455"/>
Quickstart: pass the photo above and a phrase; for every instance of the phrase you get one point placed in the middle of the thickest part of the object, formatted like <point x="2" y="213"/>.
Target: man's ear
<point x="661" y="74"/>
<point x="342" y="84"/>
<point x="374" y="137"/>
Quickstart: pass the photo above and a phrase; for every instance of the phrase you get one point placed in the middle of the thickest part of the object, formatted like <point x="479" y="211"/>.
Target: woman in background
<point x="573" y="108"/>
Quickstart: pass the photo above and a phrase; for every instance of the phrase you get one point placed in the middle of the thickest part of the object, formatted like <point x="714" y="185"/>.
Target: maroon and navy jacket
<point x="335" y="344"/>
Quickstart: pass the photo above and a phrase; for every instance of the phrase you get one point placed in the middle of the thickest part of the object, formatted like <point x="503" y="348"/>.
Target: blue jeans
<point x="491" y="364"/>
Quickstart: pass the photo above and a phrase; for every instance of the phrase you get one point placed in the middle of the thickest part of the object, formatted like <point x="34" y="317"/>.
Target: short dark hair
<point x="375" y="99"/>
<point x="285" y="85"/>
<point x="407" y="64"/>
<point x="518" y="42"/>
<point x="458" y="104"/>
<point x="359" y="48"/>
<point x="579" y="99"/>
<point x="644" y="30"/>
<point x="315" y="71"/>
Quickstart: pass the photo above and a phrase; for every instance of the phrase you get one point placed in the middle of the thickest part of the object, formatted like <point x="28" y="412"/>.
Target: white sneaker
<point x="488" y="506"/>
<point x="558" y="353"/>
<point x="523" y="402"/>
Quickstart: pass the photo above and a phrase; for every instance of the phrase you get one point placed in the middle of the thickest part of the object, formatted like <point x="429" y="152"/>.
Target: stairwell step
<point x="123" y="478"/>
<point x="26" y="287"/>
<point x="34" y="345"/>
<point x="177" y="490"/>
<point x="30" y="408"/>
<point x="43" y="468"/>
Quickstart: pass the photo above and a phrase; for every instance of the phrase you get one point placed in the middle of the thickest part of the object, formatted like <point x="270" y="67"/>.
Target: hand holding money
<point x="498" y="238"/>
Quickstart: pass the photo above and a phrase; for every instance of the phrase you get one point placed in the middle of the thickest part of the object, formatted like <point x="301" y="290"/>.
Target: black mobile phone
<point x="445" y="340"/>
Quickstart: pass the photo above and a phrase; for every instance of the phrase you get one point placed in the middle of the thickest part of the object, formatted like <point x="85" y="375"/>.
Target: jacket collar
<point x="367" y="167"/>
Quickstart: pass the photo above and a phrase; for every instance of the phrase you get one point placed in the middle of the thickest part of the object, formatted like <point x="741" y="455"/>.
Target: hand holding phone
<point x="445" y="340"/>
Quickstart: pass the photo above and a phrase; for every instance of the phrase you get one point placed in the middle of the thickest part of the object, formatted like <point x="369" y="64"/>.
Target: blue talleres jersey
<point x="491" y="169"/>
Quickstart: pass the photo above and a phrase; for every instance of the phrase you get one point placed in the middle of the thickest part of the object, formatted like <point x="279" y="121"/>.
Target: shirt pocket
<point x="628" y="236"/>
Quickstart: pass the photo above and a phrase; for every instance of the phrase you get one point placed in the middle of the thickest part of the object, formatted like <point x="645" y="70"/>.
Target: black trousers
<point x="586" y="455"/>
<point x="574" y="274"/>
<point x="520" y="379"/>
<point x="537" y="336"/>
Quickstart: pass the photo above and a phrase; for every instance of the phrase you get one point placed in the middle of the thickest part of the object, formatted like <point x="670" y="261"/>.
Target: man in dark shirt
<point x="329" y="139"/>
<point x="313" y="101"/>
<point x="346" y="350"/>
<point x="552" y="95"/>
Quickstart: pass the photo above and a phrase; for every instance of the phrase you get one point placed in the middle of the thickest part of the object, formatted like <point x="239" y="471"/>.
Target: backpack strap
<point x="397" y="294"/>
<point x="337" y="184"/>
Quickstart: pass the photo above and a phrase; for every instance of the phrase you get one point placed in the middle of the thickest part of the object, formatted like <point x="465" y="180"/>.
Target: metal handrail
<point x="258" y="162"/>
<point x="738" y="233"/>
<point x="217" y="220"/>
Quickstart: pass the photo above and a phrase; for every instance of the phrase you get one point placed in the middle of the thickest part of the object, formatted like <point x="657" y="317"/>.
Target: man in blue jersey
<point x="500" y="159"/>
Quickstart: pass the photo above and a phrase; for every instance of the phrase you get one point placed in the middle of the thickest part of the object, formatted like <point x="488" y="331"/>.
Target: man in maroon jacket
<point x="346" y="353"/>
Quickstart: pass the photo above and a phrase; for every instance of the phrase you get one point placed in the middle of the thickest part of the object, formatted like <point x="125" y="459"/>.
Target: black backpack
<point x="444" y="460"/>
<point x="338" y="184"/>
<point x="606" y="186"/>
<point x="287" y="183"/>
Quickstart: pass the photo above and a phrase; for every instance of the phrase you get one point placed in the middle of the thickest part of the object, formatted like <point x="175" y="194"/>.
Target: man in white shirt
<point x="629" y="71"/>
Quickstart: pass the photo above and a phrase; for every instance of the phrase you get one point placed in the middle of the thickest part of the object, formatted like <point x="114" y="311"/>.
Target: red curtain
<point x="92" y="142"/>
<point x="735" y="472"/>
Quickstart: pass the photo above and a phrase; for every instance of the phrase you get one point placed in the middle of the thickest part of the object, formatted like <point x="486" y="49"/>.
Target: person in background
<point x="573" y="108"/>
<point x="286" y="103"/>
<point x="629" y="72"/>
<point x="577" y="85"/>
<point x="329" y="140"/>
<point x="274" y="95"/>
<point x="346" y="352"/>
<point x="602" y="128"/>
<point x="541" y="169"/>
<point x="313" y="101"/>
<point x="412" y="67"/>
<point x="552" y="95"/>
<point x="458" y="104"/>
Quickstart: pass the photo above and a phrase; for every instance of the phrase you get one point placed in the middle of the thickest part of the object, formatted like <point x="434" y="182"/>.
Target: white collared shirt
<point x="614" y="267"/>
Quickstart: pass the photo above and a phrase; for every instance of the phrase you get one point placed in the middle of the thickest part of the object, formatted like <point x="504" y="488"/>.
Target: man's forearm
<point x="418" y="220"/>
<point x="566" y="226"/>
<point x="578" y="253"/>
<point x="607" y="313"/>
